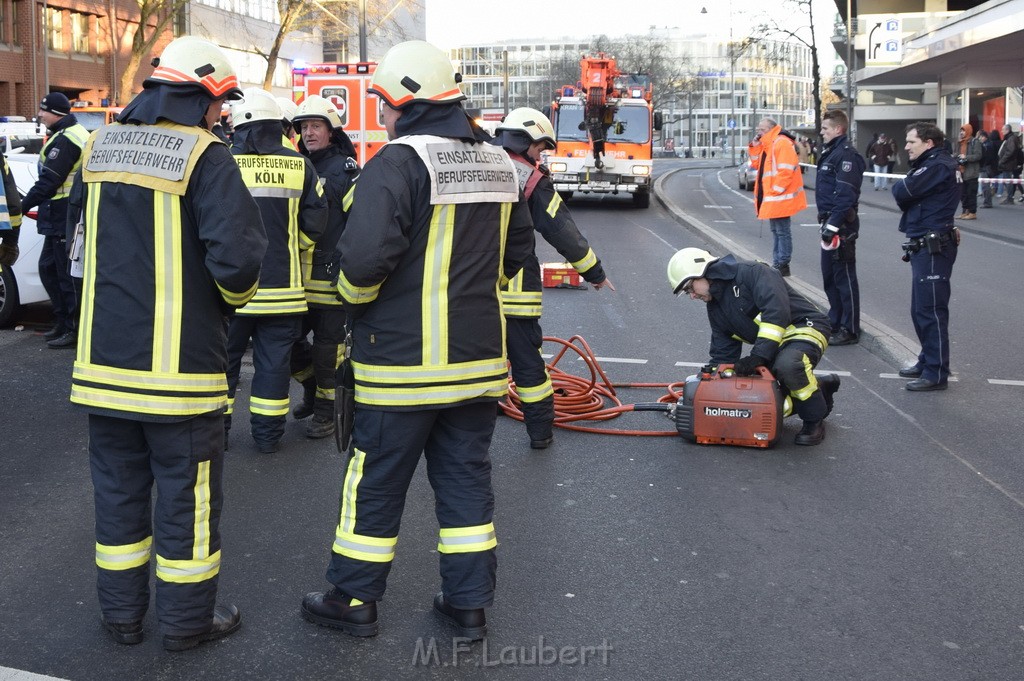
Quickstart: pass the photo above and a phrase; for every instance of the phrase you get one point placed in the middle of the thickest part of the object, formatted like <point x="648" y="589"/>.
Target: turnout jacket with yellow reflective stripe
<point x="552" y="219"/>
<point x="422" y="259"/>
<point x="338" y="174"/>
<point x="294" y="210"/>
<point x="752" y="303"/>
<point x="173" y="242"/>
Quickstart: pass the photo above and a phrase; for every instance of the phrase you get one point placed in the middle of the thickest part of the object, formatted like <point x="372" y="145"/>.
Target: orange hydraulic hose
<point x="581" y="399"/>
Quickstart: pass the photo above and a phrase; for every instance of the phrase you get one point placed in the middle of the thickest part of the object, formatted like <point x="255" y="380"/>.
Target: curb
<point x="877" y="338"/>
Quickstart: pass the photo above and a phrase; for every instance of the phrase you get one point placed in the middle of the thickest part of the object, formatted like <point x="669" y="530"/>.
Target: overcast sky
<point x="451" y="23"/>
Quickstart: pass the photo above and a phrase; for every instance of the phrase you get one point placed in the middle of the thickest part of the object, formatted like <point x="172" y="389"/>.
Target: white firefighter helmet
<point x="316" y="107"/>
<point x="288" y="108"/>
<point x="687" y="265"/>
<point x="532" y="122"/>
<point x="194" y="61"/>
<point x="255" y="105"/>
<point x="416" y="71"/>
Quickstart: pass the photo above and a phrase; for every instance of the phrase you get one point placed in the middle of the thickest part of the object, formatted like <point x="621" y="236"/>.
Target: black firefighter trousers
<point x="185" y="460"/>
<point x="385" y="451"/>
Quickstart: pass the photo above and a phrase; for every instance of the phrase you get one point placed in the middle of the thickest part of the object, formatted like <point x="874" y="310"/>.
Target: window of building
<point x="80" y="33"/>
<point x="3" y="21"/>
<point x="14" y="22"/>
<point x="53" y="29"/>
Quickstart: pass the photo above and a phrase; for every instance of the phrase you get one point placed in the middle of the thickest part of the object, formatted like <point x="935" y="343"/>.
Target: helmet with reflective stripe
<point x="193" y="61"/>
<point x="316" y="107"/>
<point x="255" y="105"/>
<point x="416" y="71"/>
<point x="687" y="265"/>
<point x="288" y="108"/>
<point x="532" y="122"/>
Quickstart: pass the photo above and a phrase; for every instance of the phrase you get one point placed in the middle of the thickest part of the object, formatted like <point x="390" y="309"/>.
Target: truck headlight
<point x="558" y="167"/>
<point x="641" y="170"/>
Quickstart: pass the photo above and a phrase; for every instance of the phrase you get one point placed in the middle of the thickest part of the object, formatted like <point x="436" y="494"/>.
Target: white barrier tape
<point x="894" y="176"/>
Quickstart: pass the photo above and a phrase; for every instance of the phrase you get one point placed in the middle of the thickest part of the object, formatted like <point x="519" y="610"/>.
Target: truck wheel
<point x="642" y="199"/>
<point x="565" y="196"/>
<point x="8" y="296"/>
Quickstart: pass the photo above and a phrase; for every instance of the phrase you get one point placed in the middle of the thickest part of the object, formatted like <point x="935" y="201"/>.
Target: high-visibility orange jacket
<point x="779" y="188"/>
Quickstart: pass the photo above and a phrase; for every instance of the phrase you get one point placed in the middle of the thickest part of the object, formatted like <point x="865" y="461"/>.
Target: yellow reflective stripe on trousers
<point x="807" y="334"/>
<point x="772" y="332"/>
<point x="535" y="393"/>
<point x="325" y="393"/>
<point x="187" y="571"/>
<point x="202" y="493"/>
<point x="812" y="382"/>
<point x="586" y="262"/>
<point x="466" y="539"/>
<point x="231" y="406"/>
<point x="434" y="302"/>
<point x="125" y="556"/>
<point x="268" y="407"/>
<point x="167" y="279"/>
<point x="362" y="547"/>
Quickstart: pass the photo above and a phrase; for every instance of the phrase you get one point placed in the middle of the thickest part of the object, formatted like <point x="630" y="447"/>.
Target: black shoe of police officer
<point x="56" y="332"/>
<point x="337" y="610"/>
<point x="923" y="384"/>
<point x="783" y="269"/>
<point x="828" y="385"/>
<point x="912" y="371"/>
<point x="125" y="633"/>
<point x="68" y="339"/>
<point x="542" y="443"/>
<point x="226" y="621"/>
<point x="843" y="337"/>
<point x="305" y="408"/>
<point x="320" y="427"/>
<point x="812" y="433"/>
<point x="471" y="624"/>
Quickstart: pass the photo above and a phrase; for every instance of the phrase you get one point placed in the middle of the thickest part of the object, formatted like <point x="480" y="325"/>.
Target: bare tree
<point x="154" y="17"/>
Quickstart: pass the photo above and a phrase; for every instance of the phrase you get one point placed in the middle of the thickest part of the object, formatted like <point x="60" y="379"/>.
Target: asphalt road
<point x="892" y="550"/>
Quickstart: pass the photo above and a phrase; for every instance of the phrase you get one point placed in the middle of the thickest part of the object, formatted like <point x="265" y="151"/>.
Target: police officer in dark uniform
<point x="325" y="143"/>
<point x="523" y="134"/>
<point x="59" y="160"/>
<point x="750" y="302"/>
<point x="837" y="192"/>
<point x="10" y="216"/>
<point x="928" y="197"/>
<point x="436" y="223"/>
<point x="174" y="242"/>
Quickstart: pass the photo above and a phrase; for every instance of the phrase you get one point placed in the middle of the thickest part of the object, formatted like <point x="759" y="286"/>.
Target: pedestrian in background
<point x="969" y="154"/>
<point x="1008" y="155"/>
<point x="779" y="187"/>
<point x="174" y="242"/>
<point x="59" y="160"/>
<point x="437" y="223"/>
<point x="837" y="194"/>
<point x="989" y="166"/>
<point x="879" y="154"/>
<point x="928" y="197"/>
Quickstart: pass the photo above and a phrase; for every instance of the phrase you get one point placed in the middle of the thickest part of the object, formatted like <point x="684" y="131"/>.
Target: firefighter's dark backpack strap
<point x="345" y="398"/>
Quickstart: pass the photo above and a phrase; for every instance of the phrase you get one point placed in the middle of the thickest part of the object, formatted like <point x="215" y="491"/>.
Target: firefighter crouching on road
<point x="10" y="216"/>
<point x="174" y="241"/>
<point x="749" y="302"/>
<point x="837" y="193"/>
<point x="928" y="197"/>
<point x="59" y="161"/>
<point x="524" y="133"/>
<point x="329" y="148"/>
<point x="294" y="211"/>
<point x="436" y="223"/>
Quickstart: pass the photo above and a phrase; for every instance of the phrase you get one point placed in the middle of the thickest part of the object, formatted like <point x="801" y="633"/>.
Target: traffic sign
<point x="732" y="123"/>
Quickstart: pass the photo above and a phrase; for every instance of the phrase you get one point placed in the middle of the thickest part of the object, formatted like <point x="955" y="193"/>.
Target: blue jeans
<point x="881" y="182"/>
<point x="782" y="249"/>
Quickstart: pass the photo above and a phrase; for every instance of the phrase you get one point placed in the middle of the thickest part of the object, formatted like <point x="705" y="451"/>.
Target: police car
<point x="20" y="284"/>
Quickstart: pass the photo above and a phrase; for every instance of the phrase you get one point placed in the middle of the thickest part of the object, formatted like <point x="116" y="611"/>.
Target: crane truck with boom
<point x="604" y="133"/>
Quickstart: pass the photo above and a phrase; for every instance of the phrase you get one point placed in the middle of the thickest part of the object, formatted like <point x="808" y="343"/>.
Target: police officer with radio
<point x="928" y="197"/>
<point x="840" y="173"/>
<point x="750" y="302"/>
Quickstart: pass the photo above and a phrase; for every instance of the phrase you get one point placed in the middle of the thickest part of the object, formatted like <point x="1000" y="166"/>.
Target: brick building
<point x="75" y="36"/>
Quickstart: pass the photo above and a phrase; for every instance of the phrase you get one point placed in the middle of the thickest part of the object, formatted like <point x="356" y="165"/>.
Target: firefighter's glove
<point x="9" y="247"/>
<point x="747" y="366"/>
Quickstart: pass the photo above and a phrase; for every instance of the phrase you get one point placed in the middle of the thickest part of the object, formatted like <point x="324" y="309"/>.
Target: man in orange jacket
<point x="779" y="188"/>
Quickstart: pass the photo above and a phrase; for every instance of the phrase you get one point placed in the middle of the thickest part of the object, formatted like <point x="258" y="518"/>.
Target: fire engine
<point x="93" y="117"/>
<point x="603" y="129"/>
<point x="345" y="85"/>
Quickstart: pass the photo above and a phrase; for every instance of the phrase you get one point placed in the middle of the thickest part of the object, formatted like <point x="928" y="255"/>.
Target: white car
<point x="746" y="176"/>
<point x="20" y="284"/>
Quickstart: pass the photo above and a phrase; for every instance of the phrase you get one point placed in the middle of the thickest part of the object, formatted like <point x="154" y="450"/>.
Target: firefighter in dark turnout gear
<point x="294" y="210"/>
<point x="59" y="160"/>
<point x="329" y="148"/>
<point x="437" y="221"/>
<point x="10" y="216"/>
<point x="523" y="134"/>
<point x="750" y="302"/>
<point x="167" y="255"/>
<point x="837" y="193"/>
<point x="928" y="197"/>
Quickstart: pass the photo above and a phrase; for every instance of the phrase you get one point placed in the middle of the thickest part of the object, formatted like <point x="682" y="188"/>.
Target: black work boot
<point x="56" y="332"/>
<point x="828" y="385"/>
<point x="320" y="427"/>
<point x="783" y="268"/>
<point x="471" y="624"/>
<point x="812" y="433"/>
<point x="226" y="621"/>
<point x="339" y="611"/>
<point x="304" y="409"/>
<point x="125" y="633"/>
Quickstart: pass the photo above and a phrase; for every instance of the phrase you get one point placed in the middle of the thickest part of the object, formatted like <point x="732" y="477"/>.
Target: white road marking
<point x="11" y="674"/>
<point x="1003" y="381"/>
<point x="618" y="360"/>
<point x="728" y="222"/>
<point x="952" y="379"/>
<point x="714" y="206"/>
